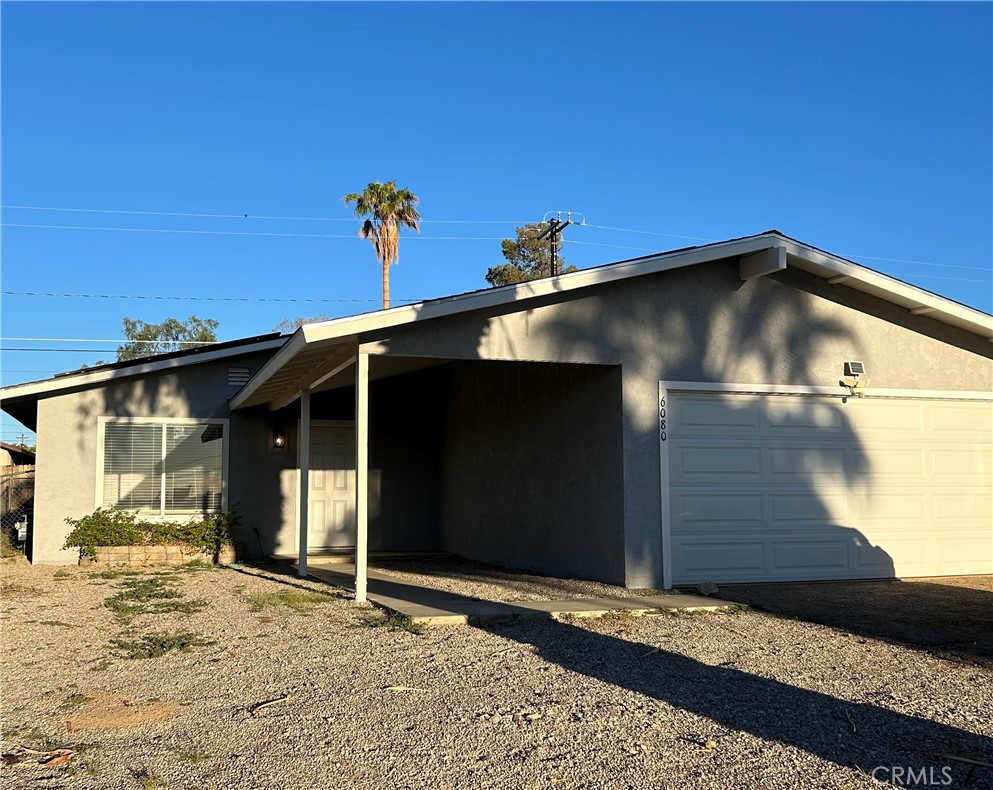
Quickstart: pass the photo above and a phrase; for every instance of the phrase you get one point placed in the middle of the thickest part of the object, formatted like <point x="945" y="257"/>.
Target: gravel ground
<point x="742" y="700"/>
<point x="477" y="580"/>
<point x="949" y="616"/>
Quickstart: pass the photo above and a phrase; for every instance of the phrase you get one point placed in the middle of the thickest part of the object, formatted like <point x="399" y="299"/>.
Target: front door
<point x="332" y="487"/>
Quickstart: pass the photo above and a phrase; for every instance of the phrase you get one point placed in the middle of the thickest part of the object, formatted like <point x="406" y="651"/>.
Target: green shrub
<point x="114" y="527"/>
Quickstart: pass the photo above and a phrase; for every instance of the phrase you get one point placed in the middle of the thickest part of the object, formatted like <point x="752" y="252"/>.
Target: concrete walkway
<point x="430" y="606"/>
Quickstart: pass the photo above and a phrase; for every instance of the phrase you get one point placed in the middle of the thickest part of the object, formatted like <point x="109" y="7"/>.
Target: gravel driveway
<point x="742" y="700"/>
<point x="949" y="616"/>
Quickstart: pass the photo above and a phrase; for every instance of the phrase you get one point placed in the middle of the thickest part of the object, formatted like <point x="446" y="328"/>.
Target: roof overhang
<point x="318" y="351"/>
<point x="28" y="393"/>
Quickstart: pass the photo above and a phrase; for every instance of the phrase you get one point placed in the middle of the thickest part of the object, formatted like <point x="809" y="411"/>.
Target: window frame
<point x="163" y="422"/>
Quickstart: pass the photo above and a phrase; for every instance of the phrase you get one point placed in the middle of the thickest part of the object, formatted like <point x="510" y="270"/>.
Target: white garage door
<point x="788" y="487"/>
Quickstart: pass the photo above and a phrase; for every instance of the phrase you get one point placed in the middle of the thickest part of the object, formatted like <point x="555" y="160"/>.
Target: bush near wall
<point x="207" y="535"/>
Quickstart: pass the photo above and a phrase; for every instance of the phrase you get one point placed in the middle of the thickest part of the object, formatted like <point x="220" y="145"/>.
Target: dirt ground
<point x="951" y="617"/>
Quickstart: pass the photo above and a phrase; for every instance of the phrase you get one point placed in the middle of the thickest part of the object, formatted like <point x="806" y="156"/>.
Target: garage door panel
<point x="712" y="559"/>
<point x="958" y="419"/>
<point x="711" y="509"/>
<point x="818" y="489"/>
<point x="899" y="419"/>
<point x="891" y="507"/>
<point x="784" y="414"/>
<point x="967" y="464"/>
<point x="964" y="505"/>
<point x="813" y="554"/>
<point x="789" y="509"/>
<point x="825" y="462"/>
<point x="705" y="463"/>
<point x="718" y="415"/>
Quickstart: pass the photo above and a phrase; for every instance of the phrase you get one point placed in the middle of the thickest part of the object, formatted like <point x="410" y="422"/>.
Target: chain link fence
<point x="16" y="504"/>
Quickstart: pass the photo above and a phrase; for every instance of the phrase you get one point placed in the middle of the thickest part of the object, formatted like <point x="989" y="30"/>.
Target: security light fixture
<point x="278" y="439"/>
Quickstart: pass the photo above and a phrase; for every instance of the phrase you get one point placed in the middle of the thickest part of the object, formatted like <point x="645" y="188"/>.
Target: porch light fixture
<point x="278" y="438"/>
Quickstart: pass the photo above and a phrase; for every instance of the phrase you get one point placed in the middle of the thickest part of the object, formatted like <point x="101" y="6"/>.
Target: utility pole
<point x="554" y="229"/>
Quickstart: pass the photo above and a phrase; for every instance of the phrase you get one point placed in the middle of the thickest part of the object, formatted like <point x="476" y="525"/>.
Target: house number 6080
<point x="662" y="418"/>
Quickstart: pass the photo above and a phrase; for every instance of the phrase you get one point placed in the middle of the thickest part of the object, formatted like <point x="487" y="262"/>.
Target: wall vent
<point x="238" y="377"/>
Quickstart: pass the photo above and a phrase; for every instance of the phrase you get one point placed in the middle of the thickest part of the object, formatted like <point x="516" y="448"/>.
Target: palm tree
<point x="385" y="209"/>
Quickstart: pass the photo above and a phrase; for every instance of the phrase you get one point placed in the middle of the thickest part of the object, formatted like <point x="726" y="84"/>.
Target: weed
<point x="54" y="622"/>
<point x="394" y="621"/>
<point x="61" y="574"/>
<point x="115" y="573"/>
<point x="150" y="781"/>
<point x="156" y="645"/>
<point x="6" y="546"/>
<point x="194" y="756"/>
<point x="75" y="700"/>
<point x="618" y="615"/>
<point x="100" y="665"/>
<point x="149" y="596"/>
<point x="300" y="601"/>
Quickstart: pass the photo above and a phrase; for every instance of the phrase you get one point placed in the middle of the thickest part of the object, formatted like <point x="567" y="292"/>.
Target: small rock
<point x="707" y="588"/>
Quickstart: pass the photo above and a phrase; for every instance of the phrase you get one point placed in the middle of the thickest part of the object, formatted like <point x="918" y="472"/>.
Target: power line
<point x="196" y="298"/>
<point x="254" y="216"/>
<point x="104" y="340"/>
<point x="240" y="232"/>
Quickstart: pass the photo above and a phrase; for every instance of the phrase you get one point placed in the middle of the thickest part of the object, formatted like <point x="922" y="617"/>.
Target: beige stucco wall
<point x="704" y="324"/>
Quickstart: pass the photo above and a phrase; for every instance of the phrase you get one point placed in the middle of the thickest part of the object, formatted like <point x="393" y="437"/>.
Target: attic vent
<point x="238" y="377"/>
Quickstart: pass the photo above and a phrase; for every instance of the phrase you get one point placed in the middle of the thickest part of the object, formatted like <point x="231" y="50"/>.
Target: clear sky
<point x="864" y="129"/>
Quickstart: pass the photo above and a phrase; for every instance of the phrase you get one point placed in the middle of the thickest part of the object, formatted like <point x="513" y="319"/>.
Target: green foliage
<point x="287" y="326"/>
<point x="114" y="527"/>
<point x="385" y="210"/>
<point x="528" y="258"/>
<point x="149" y="596"/>
<point x="144" y="340"/>
<point x="300" y="601"/>
<point x="155" y="645"/>
<point x="394" y="621"/>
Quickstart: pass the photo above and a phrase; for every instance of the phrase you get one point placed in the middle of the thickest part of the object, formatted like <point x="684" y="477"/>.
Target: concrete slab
<point x="430" y="606"/>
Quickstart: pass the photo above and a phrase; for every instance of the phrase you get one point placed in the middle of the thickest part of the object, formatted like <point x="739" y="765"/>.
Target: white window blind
<point x="163" y="467"/>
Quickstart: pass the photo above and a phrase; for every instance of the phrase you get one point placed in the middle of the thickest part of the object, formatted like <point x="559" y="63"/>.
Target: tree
<point x="171" y="335"/>
<point x="385" y="209"/>
<point x="289" y="325"/>
<point x="528" y="258"/>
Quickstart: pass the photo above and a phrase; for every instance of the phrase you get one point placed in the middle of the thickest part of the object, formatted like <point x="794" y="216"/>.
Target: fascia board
<point x="895" y="291"/>
<point x="82" y="379"/>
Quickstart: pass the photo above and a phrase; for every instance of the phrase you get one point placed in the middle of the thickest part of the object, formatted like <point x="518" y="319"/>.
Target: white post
<point x="361" y="474"/>
<point x="303" y="495"/>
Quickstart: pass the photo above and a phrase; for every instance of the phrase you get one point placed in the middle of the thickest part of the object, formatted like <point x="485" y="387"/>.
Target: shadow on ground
<point x="851" y="734"/>
<point x="952" y="618"/>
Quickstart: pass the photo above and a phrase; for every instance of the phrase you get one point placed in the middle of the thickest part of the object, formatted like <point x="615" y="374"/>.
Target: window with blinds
<point x="168" y="468"/>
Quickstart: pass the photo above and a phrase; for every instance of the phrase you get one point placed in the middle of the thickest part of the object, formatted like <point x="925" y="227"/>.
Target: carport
<point x="518" y="464"/>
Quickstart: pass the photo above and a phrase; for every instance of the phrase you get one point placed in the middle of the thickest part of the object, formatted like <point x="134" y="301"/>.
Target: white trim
<point x="798" y="255"/>
<point x="83" y="378"/>
<point x="839" y="392"/>
<point x="105" y="420"/>
<point x="361" y="475"/>
<point x="666" y="515"/>
<point x="303" y="478"/>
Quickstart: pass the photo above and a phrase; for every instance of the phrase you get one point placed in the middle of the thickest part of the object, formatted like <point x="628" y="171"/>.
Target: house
<point x="750" y="410"/>
<point x="11" y="455"/>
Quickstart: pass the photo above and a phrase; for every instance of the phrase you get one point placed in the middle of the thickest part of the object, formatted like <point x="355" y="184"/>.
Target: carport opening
<point x="517" y="464"/>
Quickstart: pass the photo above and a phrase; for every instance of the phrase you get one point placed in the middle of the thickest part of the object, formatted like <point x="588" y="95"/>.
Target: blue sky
<point x="864" y="129"/>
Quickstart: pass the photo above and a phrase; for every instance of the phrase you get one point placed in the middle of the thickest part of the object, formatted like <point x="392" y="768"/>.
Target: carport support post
<point x="361" y="474"/>
<point x="304" y="493"/>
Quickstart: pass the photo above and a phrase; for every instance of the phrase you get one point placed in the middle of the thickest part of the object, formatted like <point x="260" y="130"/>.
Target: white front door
<point x="332" y="487"/>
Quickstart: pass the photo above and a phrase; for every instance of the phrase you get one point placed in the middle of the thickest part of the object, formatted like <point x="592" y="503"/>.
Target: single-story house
<point x="751" y="410"/>
<point x="12" y="455"/>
